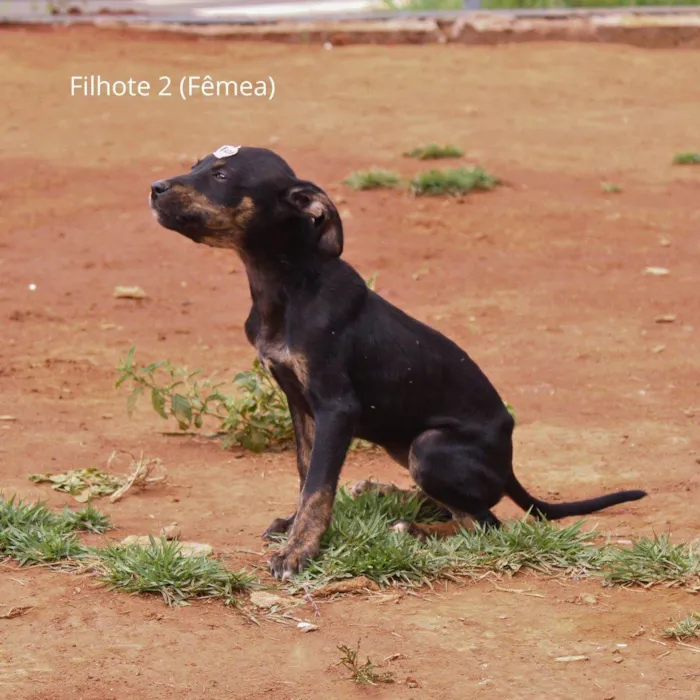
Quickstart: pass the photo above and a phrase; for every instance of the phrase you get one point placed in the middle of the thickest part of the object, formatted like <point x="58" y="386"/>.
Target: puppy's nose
<point x="159" y="187"/>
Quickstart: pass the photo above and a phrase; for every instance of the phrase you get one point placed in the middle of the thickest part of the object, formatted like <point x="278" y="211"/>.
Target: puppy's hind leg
<point x="452" y="471"/>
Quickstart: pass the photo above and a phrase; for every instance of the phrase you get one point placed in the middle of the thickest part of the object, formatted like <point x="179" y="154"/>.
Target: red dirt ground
<point x="541" y="280"/>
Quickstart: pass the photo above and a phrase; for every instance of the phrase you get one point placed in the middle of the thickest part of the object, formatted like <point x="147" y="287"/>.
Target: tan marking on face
<point x="225" y="226"/>
<point x="244" y="212"/>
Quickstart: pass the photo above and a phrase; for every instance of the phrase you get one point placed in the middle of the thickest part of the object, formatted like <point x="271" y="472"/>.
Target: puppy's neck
<point x="274" y="280"/>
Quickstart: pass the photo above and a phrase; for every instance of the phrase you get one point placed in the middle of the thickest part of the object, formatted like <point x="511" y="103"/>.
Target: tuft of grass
<point x="537" y="545"/>
<point x="650" y="562"/>
<point x="162" y="569"/>
<point x="363" y="674"/>
<point x="689" y="158"/>
<point x="360" y="543"/>
<point x="30" y="533"/>
<point x="610" y="188"/>
<point x="686" y="628"/>
<point x="434" y="151"/>
<point x="372" y="179"/>
<point x="87" y="519"/>
<point x="454" y="182"/>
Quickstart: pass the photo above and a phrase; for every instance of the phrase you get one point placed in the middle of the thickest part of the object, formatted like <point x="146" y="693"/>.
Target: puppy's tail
<point x="554" y="511"/>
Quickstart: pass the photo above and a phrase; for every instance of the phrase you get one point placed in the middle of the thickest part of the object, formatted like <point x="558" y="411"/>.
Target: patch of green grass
<point x="87" y="519"/>
<point x="610" y="188"/>
<point x="360" y="543"/>
<point x="31" y="533"/>
<point x="686" y="628"/>
<point x="433" y="151"/>
<point x="453" y="182"/>
<point x="650" y="562"/>
<point x="363" y="674"/>
<point x="162" y="569"/>
<point x="372" y="179"/>
<point x="687" y="159"/>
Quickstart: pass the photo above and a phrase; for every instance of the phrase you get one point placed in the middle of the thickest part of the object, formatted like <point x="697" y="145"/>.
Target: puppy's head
<point x="250" y="200"/>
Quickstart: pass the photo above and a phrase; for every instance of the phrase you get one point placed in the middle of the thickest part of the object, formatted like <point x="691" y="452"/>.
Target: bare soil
<point x="541" y="280"/>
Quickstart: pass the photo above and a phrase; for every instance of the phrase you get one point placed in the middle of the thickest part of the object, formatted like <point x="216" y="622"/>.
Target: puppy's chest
<point x="276" y="355"/>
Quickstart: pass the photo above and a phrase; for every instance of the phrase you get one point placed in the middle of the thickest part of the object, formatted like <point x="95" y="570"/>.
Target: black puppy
<point x="350" y="363"/>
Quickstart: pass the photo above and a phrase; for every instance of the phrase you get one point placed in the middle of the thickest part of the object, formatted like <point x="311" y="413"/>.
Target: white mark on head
<point x="226" y="151"/>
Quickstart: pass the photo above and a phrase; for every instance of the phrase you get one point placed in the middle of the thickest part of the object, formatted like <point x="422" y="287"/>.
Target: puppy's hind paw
<point x="401" y="526"/>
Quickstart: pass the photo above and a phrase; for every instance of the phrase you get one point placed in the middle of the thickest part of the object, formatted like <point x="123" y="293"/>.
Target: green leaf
<point x="182" y="409"/>
<point x="133" y="398"/>
<point x="158" y="402"/>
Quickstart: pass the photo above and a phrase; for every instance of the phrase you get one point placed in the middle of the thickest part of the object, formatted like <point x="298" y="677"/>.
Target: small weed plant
<point x="457" y="181"/>
<point x="362" y="673"/>
<point x="435" y="152"/>
<point x="687" y="628"/>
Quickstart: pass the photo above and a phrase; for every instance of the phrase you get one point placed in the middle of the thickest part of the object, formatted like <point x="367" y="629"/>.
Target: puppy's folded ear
<point x="310" y="200"/>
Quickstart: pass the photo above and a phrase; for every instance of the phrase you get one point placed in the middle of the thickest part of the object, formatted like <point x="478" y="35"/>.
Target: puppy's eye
<point x="220" y="175"/>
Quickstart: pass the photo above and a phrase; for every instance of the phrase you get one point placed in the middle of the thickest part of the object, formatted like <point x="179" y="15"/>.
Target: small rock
<point x="187" y="549"/>
<point x="658" y="348"/>
<point x="411" y="682"/>
<point x="569" y="659"/>
<point x="656" y="271"/>
<point x="195" y="549"/>
<point x="668" y="318"/>
<point x="588" y="598"/>
<point x="171" y="532"/>
<point x="618" y="659"/>
<point x="306" y="627"/>
<point x="129" y="293"/>
<point x="8" y="418"/>
<point x="262" y="599"/>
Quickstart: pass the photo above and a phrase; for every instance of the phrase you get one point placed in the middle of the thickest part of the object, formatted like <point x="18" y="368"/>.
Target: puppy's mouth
<point x="174" y="218"/>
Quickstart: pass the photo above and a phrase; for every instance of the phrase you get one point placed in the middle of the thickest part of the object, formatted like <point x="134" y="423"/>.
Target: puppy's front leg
<point x="304" y="435"/>
<point x="335" y="424"/>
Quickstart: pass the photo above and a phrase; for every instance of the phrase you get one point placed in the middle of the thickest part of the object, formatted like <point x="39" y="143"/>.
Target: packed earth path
<point x="544" y="281"/>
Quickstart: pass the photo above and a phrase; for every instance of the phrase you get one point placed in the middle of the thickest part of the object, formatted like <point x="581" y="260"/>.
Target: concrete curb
<point x="476" y="28"/>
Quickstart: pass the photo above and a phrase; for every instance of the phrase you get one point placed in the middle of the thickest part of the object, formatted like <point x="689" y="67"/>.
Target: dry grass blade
<point x="144" y="473"/>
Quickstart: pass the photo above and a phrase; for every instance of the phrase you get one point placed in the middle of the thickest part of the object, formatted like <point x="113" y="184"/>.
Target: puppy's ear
<point x="310" y="200"/>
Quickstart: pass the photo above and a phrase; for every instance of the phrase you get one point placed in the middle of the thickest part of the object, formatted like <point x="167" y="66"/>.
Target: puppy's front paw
<point x="291" y="559"/>
<point x="279" y="526"/>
